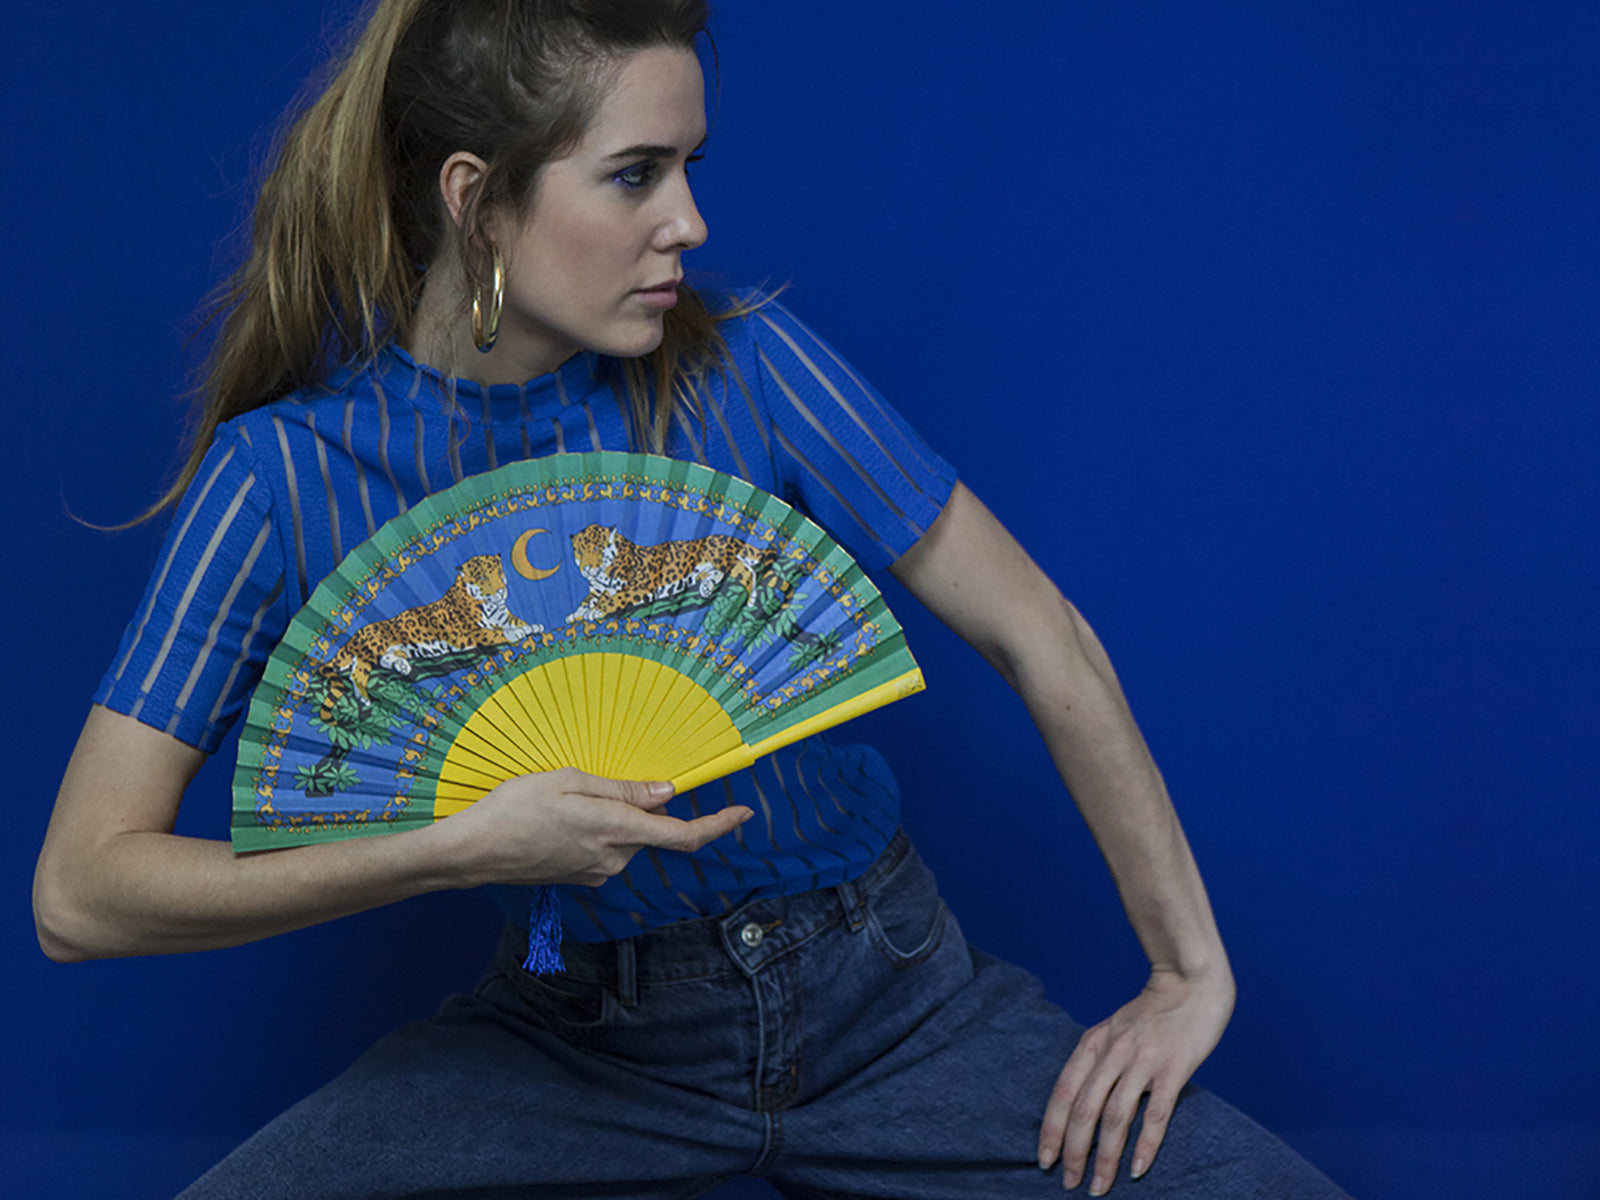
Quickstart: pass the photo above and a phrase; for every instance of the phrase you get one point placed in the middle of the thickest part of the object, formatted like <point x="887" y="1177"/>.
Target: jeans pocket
<point x="566" y="1004"/>
<point x="905" y="917"/>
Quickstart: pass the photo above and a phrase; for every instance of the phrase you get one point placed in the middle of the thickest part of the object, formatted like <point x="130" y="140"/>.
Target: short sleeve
<point x="851" y="460"/>
<point x="211" y="613"/>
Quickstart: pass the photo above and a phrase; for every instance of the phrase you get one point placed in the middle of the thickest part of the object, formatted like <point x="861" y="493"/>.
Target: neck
<point x="442" y="337"/>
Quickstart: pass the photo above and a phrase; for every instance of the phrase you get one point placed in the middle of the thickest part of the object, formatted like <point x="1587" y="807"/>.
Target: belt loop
<point x="853" y="905"/>
<point x="627" y="974"/>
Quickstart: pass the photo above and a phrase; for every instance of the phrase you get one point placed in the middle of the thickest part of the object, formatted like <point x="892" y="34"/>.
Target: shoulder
<point x="319" y="408"/>
<point x="764" y="336"/>
<point x="270" y="451"/>
<point x="749" y="315"/>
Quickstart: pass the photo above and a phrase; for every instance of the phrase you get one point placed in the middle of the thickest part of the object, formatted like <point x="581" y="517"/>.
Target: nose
<point x="684" y="227"/>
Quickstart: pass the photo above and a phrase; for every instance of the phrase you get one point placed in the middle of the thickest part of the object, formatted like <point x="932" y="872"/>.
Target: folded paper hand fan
<point x="633" y="616"/>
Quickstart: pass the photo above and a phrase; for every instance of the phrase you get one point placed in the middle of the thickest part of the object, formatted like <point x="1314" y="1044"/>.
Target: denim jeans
<point x="846" y="1042"/>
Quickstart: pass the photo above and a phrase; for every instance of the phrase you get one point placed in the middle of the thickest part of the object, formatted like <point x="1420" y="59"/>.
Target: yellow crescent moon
<point x="519" y="558"/>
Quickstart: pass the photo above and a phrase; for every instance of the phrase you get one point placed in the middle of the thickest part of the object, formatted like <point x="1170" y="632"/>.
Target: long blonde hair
<point x="349" y="215"/>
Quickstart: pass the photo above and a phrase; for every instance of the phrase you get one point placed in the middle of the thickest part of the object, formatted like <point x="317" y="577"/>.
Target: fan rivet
<point x="751" y="934"/>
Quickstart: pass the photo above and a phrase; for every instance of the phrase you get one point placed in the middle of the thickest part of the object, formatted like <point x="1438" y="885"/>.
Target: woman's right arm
<point x="113" y="879"/>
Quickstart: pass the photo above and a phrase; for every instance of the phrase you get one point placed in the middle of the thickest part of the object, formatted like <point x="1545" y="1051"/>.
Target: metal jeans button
<point x="751" y="934"/>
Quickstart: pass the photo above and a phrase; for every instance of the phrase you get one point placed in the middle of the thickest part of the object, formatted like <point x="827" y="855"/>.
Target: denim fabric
<point x="847" y="1042"/>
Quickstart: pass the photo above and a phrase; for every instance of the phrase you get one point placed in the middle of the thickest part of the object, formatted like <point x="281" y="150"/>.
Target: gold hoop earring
<point x="482" y="339"/>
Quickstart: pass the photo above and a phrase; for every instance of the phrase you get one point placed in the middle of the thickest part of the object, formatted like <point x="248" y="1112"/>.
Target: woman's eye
<point x="637" y="176"/>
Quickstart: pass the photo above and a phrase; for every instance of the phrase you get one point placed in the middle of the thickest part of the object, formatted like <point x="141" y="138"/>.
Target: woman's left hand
<point x="1152" y="1044"/>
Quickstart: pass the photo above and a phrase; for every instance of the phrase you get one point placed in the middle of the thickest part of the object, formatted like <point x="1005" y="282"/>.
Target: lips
<point x="660" y="295"/>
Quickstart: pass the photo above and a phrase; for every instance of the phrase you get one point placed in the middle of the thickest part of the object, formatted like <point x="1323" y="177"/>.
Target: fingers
<point x="1115" y="1118"/>
<point x="640" y="794"/>
<point x="1074" y="1107"/>
<point x="627" y="830"/>
<point x="669" y="833"/>
<point x="1157" y="1112"/>
<point x="647" y="828"/>
<point x="1082" y="1117"/>
<point x="1056" y="1112"/>
<point x="568" y="826"/>
<point x="1098" y="1092"/>
<point x="654" y="829"/>
<point x="1150" y="1045"/>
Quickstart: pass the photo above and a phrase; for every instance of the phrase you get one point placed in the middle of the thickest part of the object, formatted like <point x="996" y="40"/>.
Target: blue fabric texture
<point x="847" y="1042"/>
<point x="288" y="489"/>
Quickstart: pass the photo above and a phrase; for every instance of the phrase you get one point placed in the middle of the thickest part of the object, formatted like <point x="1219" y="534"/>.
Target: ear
<point x="460" y="172"/>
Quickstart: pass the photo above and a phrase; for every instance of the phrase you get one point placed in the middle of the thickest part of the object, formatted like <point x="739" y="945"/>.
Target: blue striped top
<point x="288" y="489"/>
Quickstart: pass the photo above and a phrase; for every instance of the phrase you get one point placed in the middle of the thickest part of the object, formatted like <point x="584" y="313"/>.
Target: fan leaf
<point x="792" y="634"/>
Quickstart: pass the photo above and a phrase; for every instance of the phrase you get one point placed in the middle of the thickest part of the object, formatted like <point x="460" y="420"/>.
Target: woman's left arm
<point x="976" y="578"/>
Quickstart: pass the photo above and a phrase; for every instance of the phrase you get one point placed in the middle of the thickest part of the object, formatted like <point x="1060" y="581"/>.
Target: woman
<point x="470" y="252"/>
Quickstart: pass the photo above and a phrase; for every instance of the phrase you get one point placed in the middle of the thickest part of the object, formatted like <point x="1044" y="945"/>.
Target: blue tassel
<point x="544" y="933"/>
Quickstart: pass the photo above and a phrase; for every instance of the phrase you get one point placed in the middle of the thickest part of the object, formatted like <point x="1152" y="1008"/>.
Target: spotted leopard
<point x="624" y="575"/>
<point x="471" y="615"/>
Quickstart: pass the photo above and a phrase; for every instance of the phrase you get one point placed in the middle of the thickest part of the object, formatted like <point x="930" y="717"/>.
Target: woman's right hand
<point x="569" y="826"/>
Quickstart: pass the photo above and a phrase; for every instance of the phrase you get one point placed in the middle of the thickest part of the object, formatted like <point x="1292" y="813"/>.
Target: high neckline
<point x="429" y="388"/>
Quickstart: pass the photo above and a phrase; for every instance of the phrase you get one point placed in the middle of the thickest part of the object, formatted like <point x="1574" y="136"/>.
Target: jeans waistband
<point x="740" y="941"/>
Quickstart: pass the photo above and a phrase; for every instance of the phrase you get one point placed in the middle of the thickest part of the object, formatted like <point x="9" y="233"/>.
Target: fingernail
<point x="1139" y="1166"/>
<point x="660" y="789"/>
<point x="1098" y="1187"/>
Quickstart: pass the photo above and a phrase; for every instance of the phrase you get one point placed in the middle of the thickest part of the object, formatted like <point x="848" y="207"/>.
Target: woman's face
<point x="594" y="262"/>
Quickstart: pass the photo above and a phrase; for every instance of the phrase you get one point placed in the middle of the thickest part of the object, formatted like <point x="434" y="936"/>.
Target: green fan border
<point x="335" y="606"/>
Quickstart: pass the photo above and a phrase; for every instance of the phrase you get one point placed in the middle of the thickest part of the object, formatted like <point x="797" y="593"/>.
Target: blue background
<point x="1269" y="328"/>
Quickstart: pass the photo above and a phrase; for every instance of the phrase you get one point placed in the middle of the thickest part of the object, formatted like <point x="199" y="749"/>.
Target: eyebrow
<point x="650" y="151"/>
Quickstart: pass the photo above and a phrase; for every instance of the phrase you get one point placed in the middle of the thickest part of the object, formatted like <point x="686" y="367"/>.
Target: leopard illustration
<point x="471" y="615"/>
<point x="623" y="575"/>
